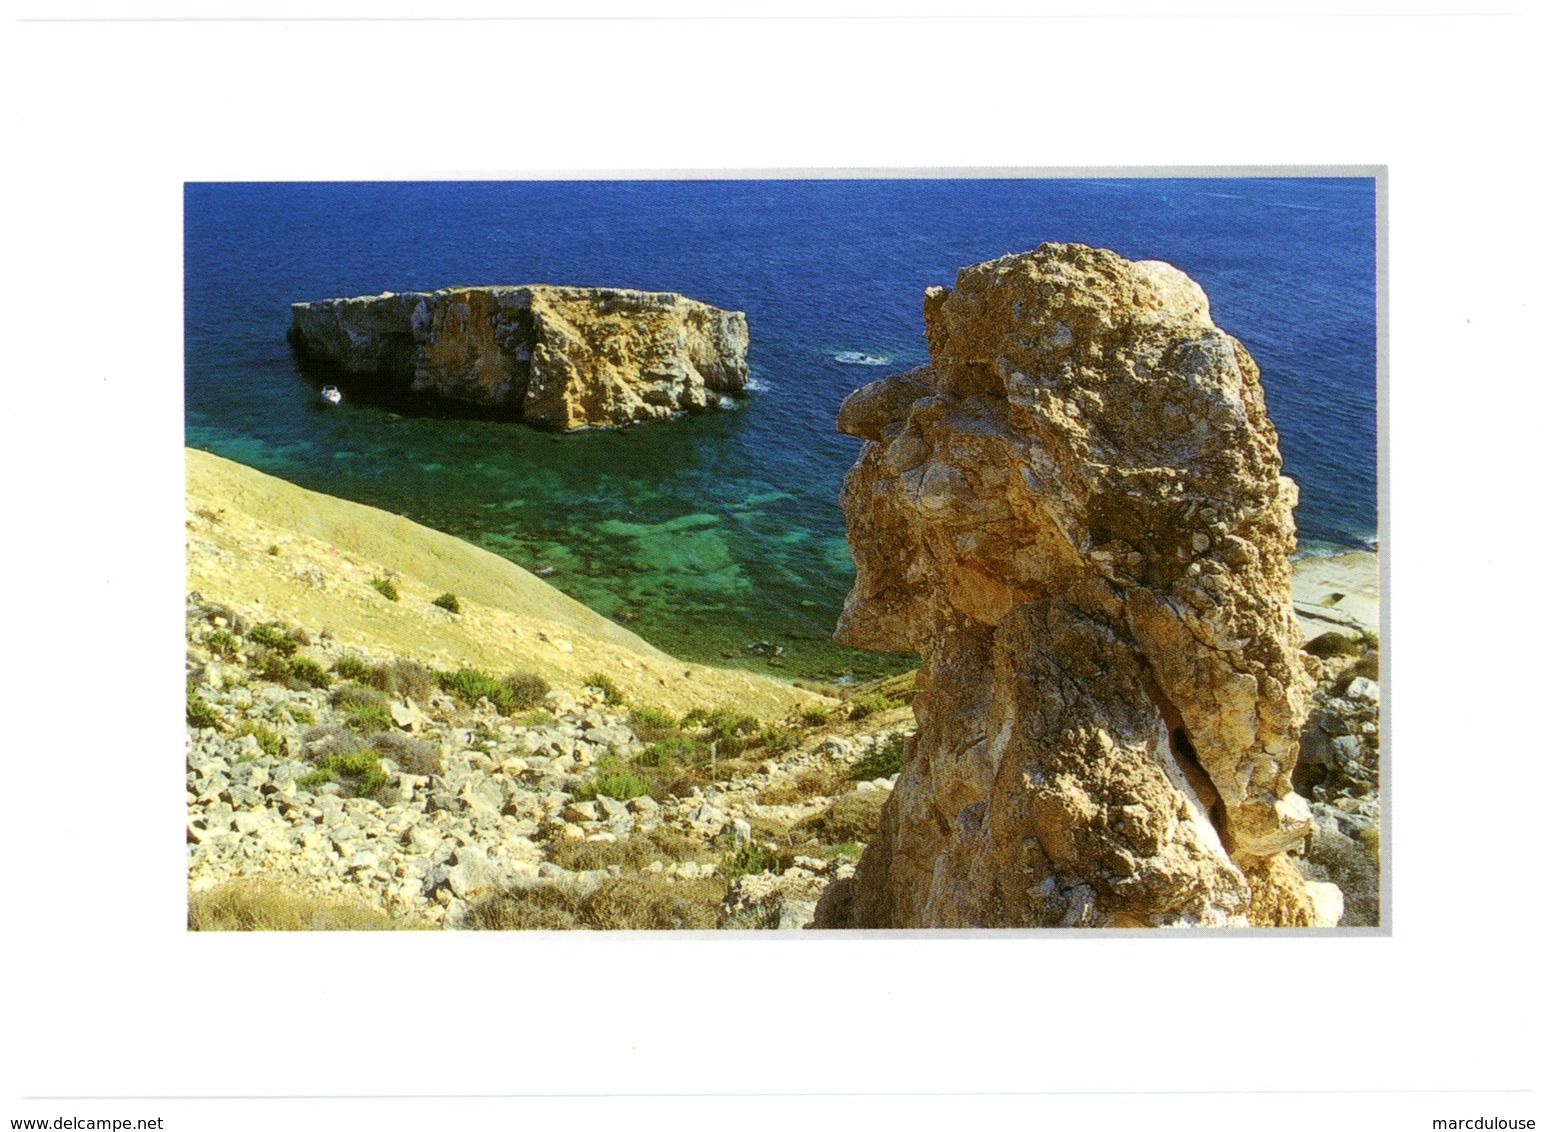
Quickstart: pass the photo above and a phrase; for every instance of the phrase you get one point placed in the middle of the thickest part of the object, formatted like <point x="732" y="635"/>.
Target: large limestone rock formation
<point x="558" y="357"/>
<point x="1076" y="516"/>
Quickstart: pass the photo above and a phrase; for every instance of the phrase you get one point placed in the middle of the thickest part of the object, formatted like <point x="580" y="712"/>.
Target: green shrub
<point x="536" y="719"/>
<point x="222" y="643"/>
<point x="364" y="709"/>
<point x="273" y="635"/>
<point x="750" y="858"/>
<point x="270" y="665"/>
<point x="370" y="717"/>
<point x="603" y="684"/>
<point x="473" y="684"/>
<point x="448" y="602"/>
<point x="526" y="689"/>
<point x="817" y="718"/>
<point x="201" y="713"/>
<point x="386" y="588"/>
<point x="309" y="672"/>
<point x="724" y="723"/>
<point x="351" y="668"/>
<point x="872" y="705"/>
<point x="883" y="759"/>
<point x="356" y="695"/>
<point x="732" y="745"/>
<point x="651" y="723"/>
<point x="269" y="740"/>
<point x="674" y="748"/>
<point x="620" y="785"/>
<point x="777" y="739"/>
<point x="273" y="549"/>
<point x="359" y="771"/>
<point x="302" y="715"/>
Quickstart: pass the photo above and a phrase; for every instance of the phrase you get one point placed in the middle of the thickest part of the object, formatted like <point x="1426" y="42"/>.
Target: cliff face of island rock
<point x="1076" y="515"/>
<point x="557" y="357"/>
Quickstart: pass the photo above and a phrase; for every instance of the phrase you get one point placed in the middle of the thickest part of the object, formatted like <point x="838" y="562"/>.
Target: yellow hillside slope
<point x="274" y="550"/>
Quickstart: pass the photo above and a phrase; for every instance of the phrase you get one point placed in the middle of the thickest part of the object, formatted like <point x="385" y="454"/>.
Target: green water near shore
<point x="663" y="529"/>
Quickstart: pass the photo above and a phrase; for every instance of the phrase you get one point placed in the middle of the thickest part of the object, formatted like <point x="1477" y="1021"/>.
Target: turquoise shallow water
<point x="713" y="532"/>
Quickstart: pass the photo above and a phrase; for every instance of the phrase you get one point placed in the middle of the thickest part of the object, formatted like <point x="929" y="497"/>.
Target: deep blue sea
<point x="711" y="532"/>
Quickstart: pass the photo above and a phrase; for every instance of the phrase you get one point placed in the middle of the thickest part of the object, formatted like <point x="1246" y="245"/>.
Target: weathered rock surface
<point x="558" y="357"/>
<point x="1076" y="515"/>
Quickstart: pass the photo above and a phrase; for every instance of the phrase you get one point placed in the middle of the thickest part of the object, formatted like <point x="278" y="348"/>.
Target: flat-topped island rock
<point x="556" y="357"/>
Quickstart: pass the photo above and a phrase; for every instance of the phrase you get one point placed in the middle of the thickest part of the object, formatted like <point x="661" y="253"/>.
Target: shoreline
<point x="1337" y="593"/>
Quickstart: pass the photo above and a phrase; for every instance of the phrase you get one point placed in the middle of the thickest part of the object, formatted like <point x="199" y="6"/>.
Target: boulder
<point x="1076" y="515"/>
<point x="556" y="357"/>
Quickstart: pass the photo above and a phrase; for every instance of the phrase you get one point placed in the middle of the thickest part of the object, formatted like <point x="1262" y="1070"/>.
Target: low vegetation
<point x="351" y="668"/>
<point x="268" y="740"/>
<point x="364" y="709"/>
<point x="223" y="644"/>
<point x="358" y="772"/>
<point x="406" y="679"/>
<point x="883" y="759"/>
<point x="448" y="602"/>
<point x="873" y="704"/>
<point x="386" y="588"/>
<point x="631" y="853"/>
<point x="608" y="689"/>
<point x="270" y="906"/>
<point x="201" y="713"/>
<point x="516" y="692"/>
<point x="275" y="636"/>
<point x="638" y="902"/>
<point x="619" y="784"/>
<point x="852" y="817"/>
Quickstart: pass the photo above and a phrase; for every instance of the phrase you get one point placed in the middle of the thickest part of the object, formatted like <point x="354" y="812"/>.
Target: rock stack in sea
<point x="556" y="357"/>
<point x="1076" y="515"/>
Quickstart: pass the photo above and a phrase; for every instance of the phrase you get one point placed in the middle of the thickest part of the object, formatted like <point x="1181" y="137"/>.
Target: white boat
<point x="854" y="358"/>
<point x="331" y="395"/>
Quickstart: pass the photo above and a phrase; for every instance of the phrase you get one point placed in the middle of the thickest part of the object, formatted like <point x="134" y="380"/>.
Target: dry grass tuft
<point x="629" y="903"/>
<point x="853" y="817"/>
<point x="272" y="906"/>
<point x="633" y="852"/>
<point x="810" y="783"/>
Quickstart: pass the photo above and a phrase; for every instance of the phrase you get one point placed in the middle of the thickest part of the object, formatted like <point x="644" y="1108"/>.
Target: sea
<point x="718" y="537"/>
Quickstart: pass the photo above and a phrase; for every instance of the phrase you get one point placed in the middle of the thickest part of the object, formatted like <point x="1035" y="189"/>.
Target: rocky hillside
<point x="556" y="357"/>
<point x="321" y="776"/>
<point x="388" y="727"/>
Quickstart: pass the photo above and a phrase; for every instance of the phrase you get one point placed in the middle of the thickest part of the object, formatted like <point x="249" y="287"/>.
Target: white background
<point x="108" y="996"/>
